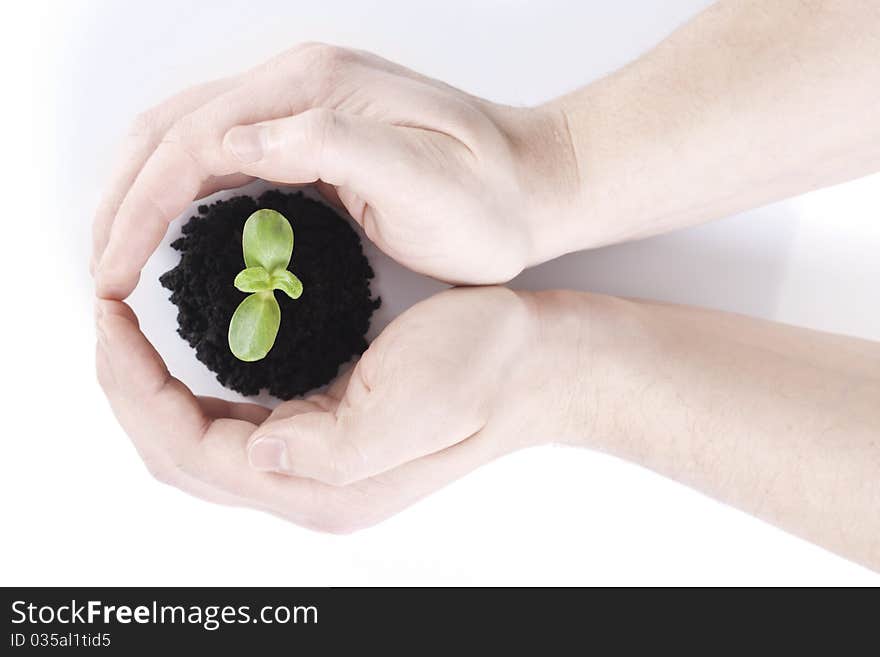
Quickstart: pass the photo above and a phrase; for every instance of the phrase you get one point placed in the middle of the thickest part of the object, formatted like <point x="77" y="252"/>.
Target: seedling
<point x="267" y="243"/>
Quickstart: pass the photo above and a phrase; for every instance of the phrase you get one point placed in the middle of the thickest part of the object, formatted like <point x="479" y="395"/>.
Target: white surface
<point x="78" y="506"/>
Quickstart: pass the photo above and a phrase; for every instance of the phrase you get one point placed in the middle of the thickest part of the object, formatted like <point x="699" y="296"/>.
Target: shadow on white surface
<point x="736" y="264"/>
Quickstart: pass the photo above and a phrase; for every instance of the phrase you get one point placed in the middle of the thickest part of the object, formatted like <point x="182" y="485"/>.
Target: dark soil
<point x="320" y="331"/>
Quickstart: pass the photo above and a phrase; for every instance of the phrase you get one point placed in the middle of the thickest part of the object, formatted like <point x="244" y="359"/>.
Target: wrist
<point x="555" y="386"/>
<point x="546" y="178"/>
<point x="596" y="214"/>
<point x="591" y="356"/>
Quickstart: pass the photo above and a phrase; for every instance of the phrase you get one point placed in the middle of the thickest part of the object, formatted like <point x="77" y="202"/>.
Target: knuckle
<point x="290" y="55"/>
<point x="317" y="68"/>
<point x="186" y="139"/>
<point x="304" y="47"/>
<point x="277" y="62"/>
<point x="151" y="198"/>
<point x="313" y="56"/>
<point x="327" y="58"/>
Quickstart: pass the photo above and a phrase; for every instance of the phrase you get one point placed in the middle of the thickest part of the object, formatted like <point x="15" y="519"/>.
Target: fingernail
<point x="246" y="143"/>
<point x="269" y="453"/>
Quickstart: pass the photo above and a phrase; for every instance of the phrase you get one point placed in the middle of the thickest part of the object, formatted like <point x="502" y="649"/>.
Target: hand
<point x="447" y="184"/>
<point x="454" y="382"/>
<point x="753" y="413"/>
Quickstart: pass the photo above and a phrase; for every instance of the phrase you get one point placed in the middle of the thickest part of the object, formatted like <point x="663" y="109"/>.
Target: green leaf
<point x="253" y="279"/>
<point x="254" y="326"/>
<point x="287" y="283"/>
<point x="267" y="240"/>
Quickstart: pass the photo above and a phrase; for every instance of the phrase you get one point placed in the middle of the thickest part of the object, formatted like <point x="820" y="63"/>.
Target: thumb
<point x="374" y="429"/>
<point x="318" y="144"/>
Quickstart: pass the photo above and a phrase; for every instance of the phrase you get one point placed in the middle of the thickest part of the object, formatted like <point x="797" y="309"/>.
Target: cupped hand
<point x="454" y="382"/>
<point x="449" y="185"/>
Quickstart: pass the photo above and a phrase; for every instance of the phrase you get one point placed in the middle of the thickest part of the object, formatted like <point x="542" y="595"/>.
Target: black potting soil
<point x="321" y="330"/>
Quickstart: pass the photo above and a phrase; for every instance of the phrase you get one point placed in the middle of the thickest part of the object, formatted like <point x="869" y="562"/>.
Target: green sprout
<point x="267" y="242"/>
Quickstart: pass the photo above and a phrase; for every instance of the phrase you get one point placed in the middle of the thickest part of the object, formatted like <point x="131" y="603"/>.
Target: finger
<point x="147" y="403"/>
<point x="134" y="152"/>
<point x="344" y="199"/>
<point x="146" y="133"/>
<point x="345" y="509"/>
<point x="329" y="194"/>
<point x="188" y="156"/>
<point x="216" y="184"/>
<point x="164" y="417"/>
<point x="191" y="151"/>
<point x="341" y="149"/>
<point x="344" y="450"/>
<point x="169" y="181"/>
<point x="214" y="407"/>
<point x="328" y="401"/>
<point x="314" y="403"/>
<point x="180" y="443"/>
<point x="374" y="428"/>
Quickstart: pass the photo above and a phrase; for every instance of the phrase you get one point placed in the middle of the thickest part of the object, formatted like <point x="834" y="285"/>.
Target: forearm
<point x="781" y="422"/>
<point x="748" y="103"/>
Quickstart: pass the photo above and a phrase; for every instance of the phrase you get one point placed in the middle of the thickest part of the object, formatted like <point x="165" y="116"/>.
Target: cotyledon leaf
<point x="287" y="283"/>
<point x="253" y="279"/>
<point x="254" y="326"/>
<point x="267" y="241"/>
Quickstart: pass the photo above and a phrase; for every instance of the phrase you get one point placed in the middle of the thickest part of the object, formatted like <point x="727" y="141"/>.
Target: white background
<point x="79" y="508"/>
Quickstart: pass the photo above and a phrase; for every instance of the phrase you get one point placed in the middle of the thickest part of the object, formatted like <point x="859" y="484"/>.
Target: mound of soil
<point x="320" y="331"/>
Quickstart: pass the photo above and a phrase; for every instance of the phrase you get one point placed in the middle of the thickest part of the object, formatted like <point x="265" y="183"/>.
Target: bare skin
<point x="747" y="103"/>
<point x="750" y="102"/>
<point x="779" y="421"/>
